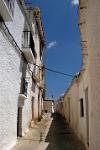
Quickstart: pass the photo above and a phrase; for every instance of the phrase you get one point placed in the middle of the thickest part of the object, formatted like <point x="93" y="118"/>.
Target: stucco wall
<point x="36" y="103"/>
<point x="27" y="108"/>
<point x="9" y="89"/>
<point x="10" y="81"/>
<point x="37" y="98"/>
<point x="66" y="108"/>
<point x="91" y="78"/>
<point x="74" y="114"/>
<point x="82" y="129"/>
<point x="48" y="105"/>
<point x="17" y="25"/>
<point x="93" y="30"/>
<point x="71" y="106"/>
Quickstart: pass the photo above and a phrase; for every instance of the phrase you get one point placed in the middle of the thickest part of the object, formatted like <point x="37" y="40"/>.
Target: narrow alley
<point x="52" y="133"/>
<point x="49" y="75"/>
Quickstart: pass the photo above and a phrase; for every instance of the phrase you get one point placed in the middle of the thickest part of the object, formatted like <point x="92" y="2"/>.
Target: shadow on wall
<point x="61" y="136"/>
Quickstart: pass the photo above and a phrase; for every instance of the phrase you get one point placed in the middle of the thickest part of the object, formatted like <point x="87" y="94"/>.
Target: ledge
<point x="22" y="96"/>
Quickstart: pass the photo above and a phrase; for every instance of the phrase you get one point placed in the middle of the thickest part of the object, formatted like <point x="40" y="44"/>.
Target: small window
<point x="11" y="6"/>
<point x="81" y="108"/>
<point x="26" y="39"/>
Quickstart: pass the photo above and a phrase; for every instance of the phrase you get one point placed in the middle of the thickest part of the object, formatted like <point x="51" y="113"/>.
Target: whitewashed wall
<point x="26" y="109"/>
<point x="10" y="81"/>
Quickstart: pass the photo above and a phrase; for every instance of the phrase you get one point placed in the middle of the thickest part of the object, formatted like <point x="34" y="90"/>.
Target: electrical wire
<point x="58" y="72"/>
<point x="40" y="67"/>
<point x="54" y="71"/>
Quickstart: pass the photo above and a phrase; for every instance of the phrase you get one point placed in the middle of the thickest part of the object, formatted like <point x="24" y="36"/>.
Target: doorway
<point x="19" y="122"/>
<point x="32" y="106"/>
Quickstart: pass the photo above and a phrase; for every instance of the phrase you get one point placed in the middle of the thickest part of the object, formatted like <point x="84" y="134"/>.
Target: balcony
<point x="7" y="9"/>
<point x="28" y="47"/>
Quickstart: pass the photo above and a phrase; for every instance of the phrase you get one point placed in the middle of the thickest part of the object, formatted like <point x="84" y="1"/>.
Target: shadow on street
<point x="61" y="136"/>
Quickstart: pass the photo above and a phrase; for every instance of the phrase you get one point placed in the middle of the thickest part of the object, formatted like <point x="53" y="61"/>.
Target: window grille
<point x="10" y="4"/>
<point x="28" y="41"/>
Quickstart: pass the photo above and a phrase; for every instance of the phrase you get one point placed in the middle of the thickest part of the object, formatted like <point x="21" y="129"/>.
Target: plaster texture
<point x="26" y="109"/>
<point x="10" y="77"/>
<point x="69" y="106"/>
<point x="16" y="27"/>
<point x="93" y="26"/>
<point x="16" y="113"/>
<point x="9" y="90"/>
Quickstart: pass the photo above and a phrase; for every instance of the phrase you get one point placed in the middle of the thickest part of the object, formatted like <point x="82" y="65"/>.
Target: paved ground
<point x="51" y="134"/>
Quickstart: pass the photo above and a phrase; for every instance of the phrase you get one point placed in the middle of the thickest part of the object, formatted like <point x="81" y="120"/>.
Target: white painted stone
<point x="10" y="77"/>
<point x="9" y="90"/>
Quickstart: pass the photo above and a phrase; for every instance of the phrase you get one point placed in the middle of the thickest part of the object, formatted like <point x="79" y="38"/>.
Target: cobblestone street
<point x="52" y="133"/>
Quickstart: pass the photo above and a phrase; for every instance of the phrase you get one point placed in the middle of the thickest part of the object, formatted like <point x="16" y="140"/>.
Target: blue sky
<point x="63" y="52"/>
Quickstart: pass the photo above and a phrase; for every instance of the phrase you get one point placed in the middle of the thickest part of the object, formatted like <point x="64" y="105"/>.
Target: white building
<point x="18" y="54"/>
<point x="48" y="106"/>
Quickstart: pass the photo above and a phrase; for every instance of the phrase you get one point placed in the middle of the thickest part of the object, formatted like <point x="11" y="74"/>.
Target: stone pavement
<point x="52" y="133"/>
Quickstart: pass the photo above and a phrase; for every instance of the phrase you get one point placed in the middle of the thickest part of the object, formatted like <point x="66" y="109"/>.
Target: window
<point x="28" y="41"/>
<point x="11" y="6"/>
<point x="81" y="108"/>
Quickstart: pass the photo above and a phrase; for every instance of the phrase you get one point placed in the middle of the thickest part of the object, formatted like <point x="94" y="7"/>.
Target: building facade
<point x="48" y="106"/>
<point x="21" y="83"/>
<point x="80" y="105"/>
